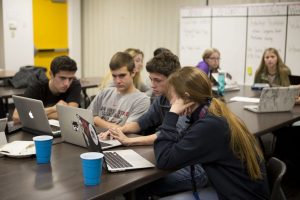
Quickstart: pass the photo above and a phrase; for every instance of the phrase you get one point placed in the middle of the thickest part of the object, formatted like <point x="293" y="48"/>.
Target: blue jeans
<point x="175" y="182"/>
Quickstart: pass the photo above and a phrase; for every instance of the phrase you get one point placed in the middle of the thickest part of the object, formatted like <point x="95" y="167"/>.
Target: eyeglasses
<point x="217" y="59"/>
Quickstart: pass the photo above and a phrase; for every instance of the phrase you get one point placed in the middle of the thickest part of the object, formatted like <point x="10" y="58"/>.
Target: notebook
<point x="114" y="161"/>
<point x="275" y="99"/>
<point x="70" y="133"/>
<point x="33" y="117"/>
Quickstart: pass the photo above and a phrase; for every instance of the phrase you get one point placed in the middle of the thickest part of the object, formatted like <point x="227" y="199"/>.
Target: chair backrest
<point x="275" y="171"/>
<point x="294" y="80"/>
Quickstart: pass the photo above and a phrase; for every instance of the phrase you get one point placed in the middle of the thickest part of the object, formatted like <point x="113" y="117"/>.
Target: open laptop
<point x="114" y="161"/>
<point x="276" y="99"/>
<point x="33" y="117"/>
<point x="3" y="139"/>
<point x="70" y="133"/>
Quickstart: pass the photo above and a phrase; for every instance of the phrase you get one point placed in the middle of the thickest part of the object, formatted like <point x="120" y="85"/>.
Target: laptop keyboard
<point x="104" y="144"/>
<point x="114" y="160"/>
<point x="54" y="128"/>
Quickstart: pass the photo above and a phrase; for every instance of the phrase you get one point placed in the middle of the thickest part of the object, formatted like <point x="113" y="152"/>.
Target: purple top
<point x="203" y="66"/>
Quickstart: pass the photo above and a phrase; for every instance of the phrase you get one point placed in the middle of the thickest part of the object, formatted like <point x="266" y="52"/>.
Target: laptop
<point x="276" y="99"/>
<point x="294" y="80"/>
<point x="114" y="161"/>
<point x="3" y="139"/>
<point x="33" y="117"/>
<point x="70" y="133"/>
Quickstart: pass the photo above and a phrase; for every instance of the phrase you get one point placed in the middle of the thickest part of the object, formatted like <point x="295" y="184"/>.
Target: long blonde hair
<point x="137" y="81"/>
<point x="282" y="69"/>
<point x="244" y="145"/>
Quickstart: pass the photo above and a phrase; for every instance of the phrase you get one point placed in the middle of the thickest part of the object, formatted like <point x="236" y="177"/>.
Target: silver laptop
<point x="276" y="99"/>
<point x="3" y="139"/>
<point x="33" y="117"/>
<point x="114" y="161"/>
<point x="70" y="133"/>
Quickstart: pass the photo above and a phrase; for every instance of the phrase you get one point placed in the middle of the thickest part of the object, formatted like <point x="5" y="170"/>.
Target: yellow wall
<point x="50" y="26"/>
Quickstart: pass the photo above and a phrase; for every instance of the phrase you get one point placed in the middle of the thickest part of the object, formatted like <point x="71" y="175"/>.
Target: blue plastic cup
<point x="91" y="167"/>
<point x="43" y="145"/>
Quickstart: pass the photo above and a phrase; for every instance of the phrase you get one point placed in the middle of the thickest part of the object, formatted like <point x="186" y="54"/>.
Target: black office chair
<point x="275" y="171"/>
<point x="267" y="144"/>
<point x="294" y="80"/>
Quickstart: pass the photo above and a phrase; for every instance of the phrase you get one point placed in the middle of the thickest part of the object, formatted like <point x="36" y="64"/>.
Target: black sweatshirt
<point x="207" y="141"/>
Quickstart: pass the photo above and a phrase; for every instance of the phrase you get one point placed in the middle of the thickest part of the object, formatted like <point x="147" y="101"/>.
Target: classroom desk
<point x="6" y="93"/>
<point x="263" y="123"/>
<point x="90" y="82"/>
<point x="260" y="123"/>
<point x="86" y="83"/>
<point x="245" y="91"/>
<point x="62" y="179"/>
<point x="4" y="74"/>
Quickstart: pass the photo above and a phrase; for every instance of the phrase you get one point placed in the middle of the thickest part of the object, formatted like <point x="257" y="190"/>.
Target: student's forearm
<point x="51" y="112"/>
<point x="73" y="104"/>
<point x="104" y="124"/>
<point x="53" y="116"/>
<point x="142" y="140"/>
<point x="15" y="117"/>
<point x="131" y="127"/>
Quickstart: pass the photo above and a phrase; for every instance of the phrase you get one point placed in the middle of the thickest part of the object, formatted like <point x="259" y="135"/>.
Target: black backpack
<point x="26" y="75"/>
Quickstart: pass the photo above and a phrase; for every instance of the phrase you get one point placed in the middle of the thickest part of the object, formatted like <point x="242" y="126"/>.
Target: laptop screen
<point x="89" y="134"/>
<point x="90" y="137"/>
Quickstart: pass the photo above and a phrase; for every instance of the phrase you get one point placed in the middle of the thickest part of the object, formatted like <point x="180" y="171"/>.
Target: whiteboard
<point x="195" y="35"/>
<point x="266" y="28"/>
<point x="241" y="33"/>
<point x="232" y="40"/>
<point x="293" y="41"/>
<point x="263" y="32"/>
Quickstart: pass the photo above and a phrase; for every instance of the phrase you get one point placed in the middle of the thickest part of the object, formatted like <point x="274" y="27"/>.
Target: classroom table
<point x="22" y="178"/>
<point x="62" y="179"/>
<point x="5" y="74"/>
<point x="6" y="92"/>
<point x="90" y="82"/>
<point x="4" y="95"/>
<point x="245" y="91"/>
<point x="260" y="123"/>
<point x="263" y="123"/>
<point x="86" y="83"/>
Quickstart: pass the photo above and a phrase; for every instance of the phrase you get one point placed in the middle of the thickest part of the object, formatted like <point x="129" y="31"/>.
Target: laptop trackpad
<point x="251" y="107"/>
